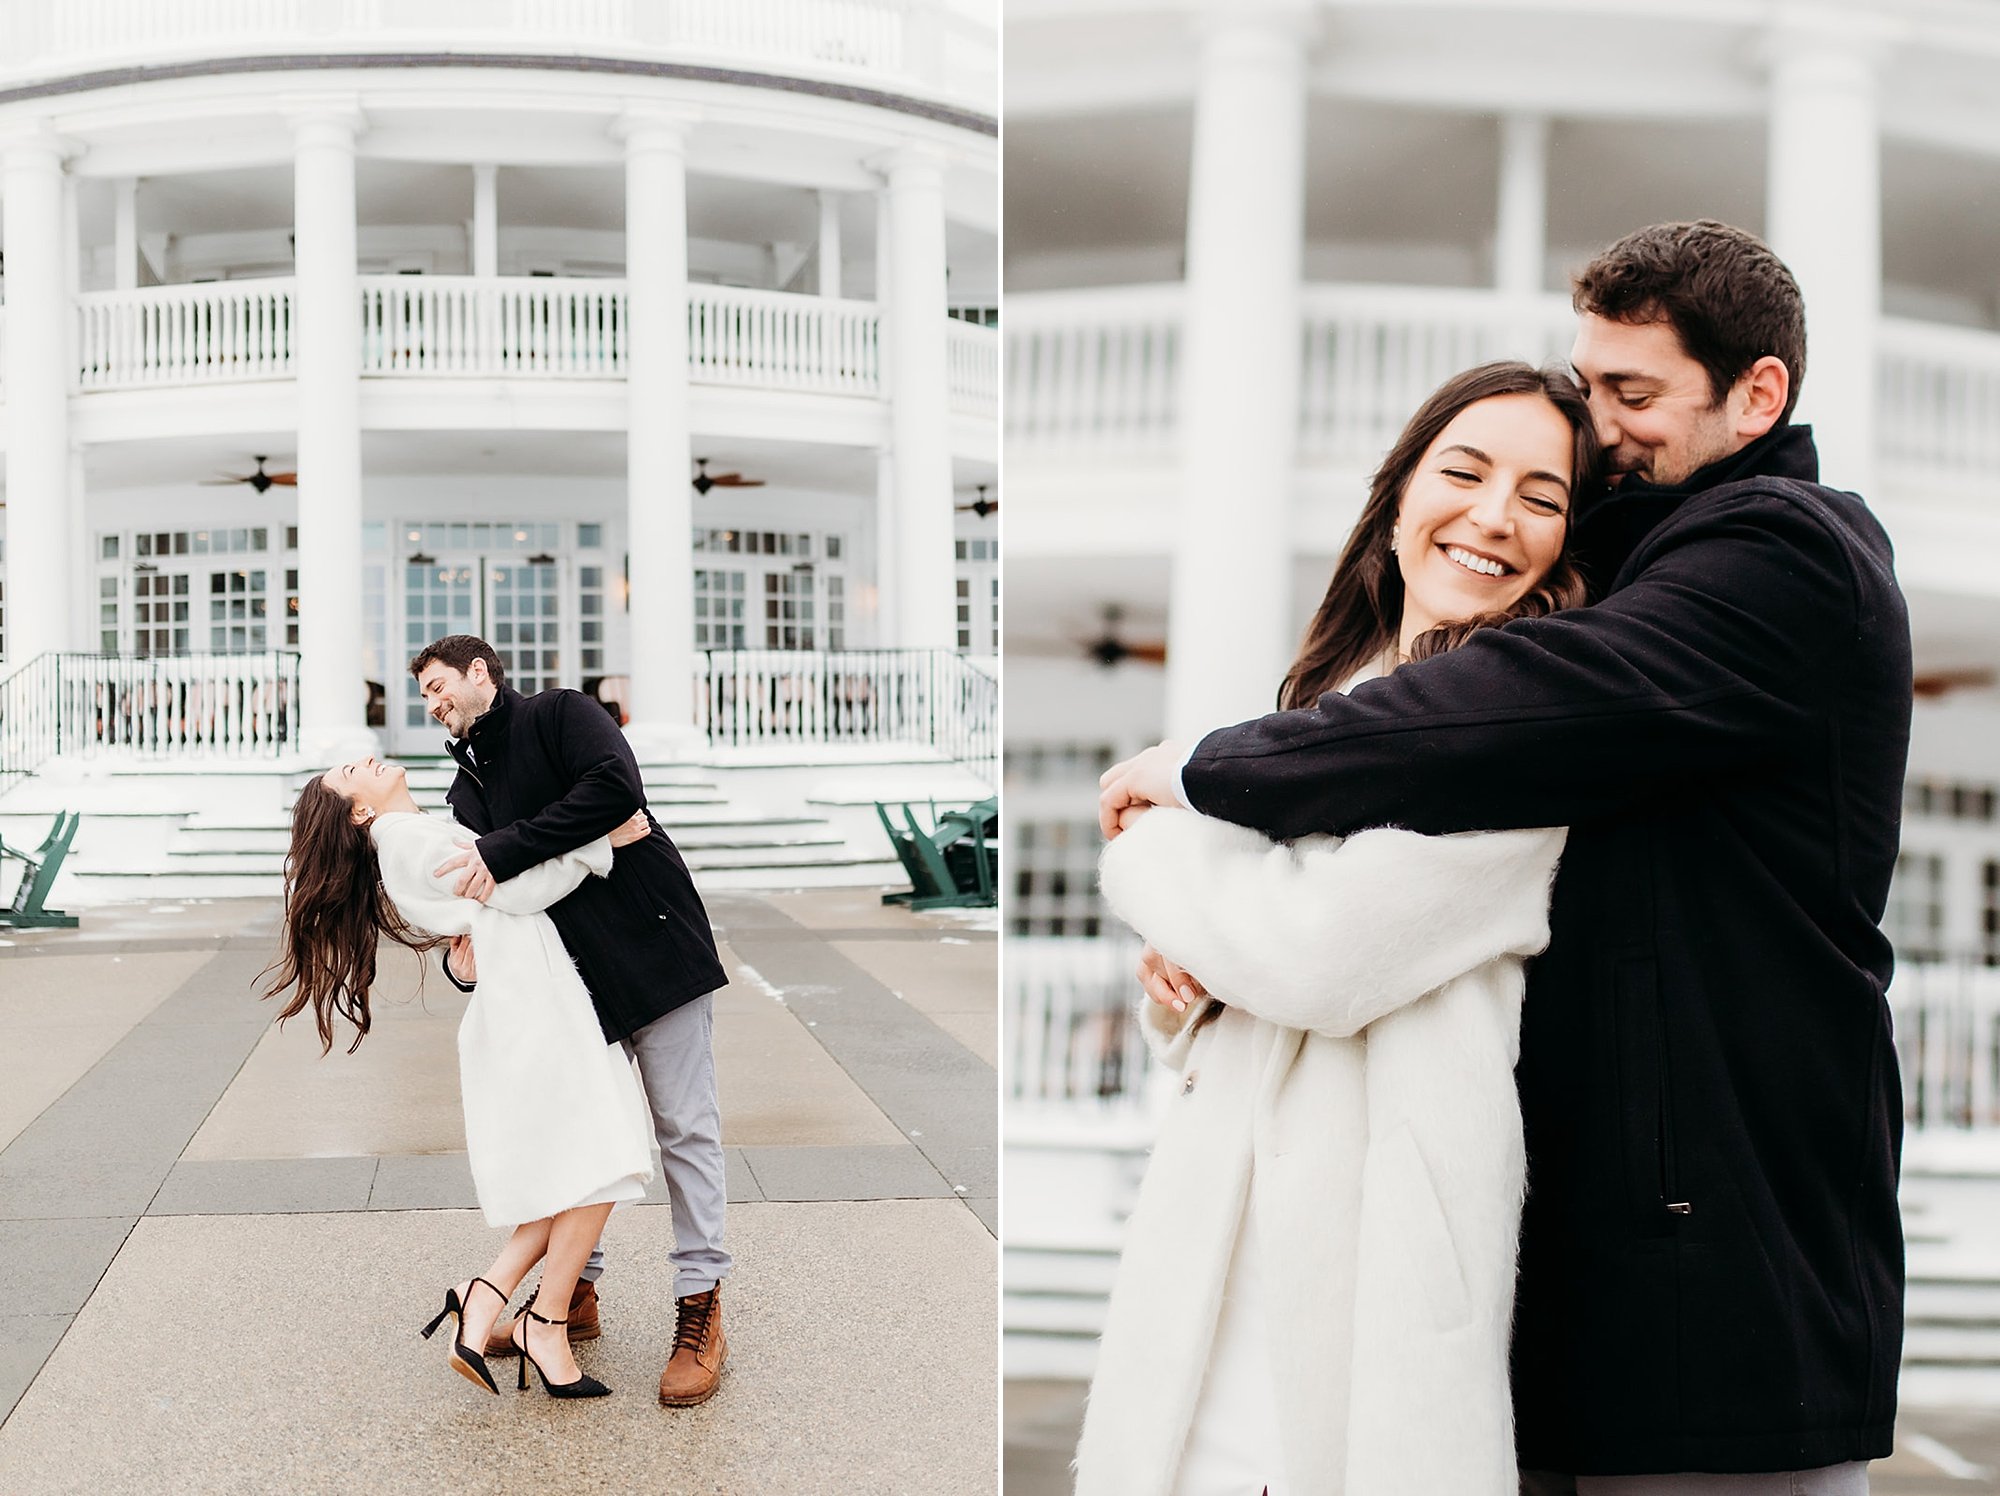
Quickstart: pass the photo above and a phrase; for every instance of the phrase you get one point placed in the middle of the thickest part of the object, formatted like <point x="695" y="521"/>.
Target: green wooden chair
<point x="955" y="864"/>
<point x="30" y="907"/>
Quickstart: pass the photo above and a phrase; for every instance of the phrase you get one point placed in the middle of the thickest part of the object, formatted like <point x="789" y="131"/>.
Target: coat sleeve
<point x="428" y="899"/>
<point x="533" y="889"/>
<point x="594" y="759"/>
<point x="1717" y="659"/>
<point x="1328" y="935"/>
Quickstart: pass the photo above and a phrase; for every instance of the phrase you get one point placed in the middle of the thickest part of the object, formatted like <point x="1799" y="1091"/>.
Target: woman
<point x="1317" y="1281"/>
<point x="555" y="1125"/>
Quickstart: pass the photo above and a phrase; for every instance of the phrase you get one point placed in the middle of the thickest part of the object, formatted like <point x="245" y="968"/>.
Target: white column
<point x="333" y="696"/>
<point x="829" y="244"/>
<point x="885" y="635"/>
<point x="82" y="568"/>
<point x="659" y="523"/>
<point x="1230" y="630"/>
<point x="37" y="408"/>
<point x="125" y="234"/>
<point x="1825" y="221"/>
<point x="485" y="220"/>
<point x="920" y="405"/>
<point x="1520" y="241"/>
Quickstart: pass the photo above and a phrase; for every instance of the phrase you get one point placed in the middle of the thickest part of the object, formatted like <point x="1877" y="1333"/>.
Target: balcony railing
<point x="776" y="340"/>
<point x="176" y="335"/>
<point x="1073" y="1049"/>
<point x="754" y="698"/>
<point x="1072" y="1046"/>
<point x="1097" y="372"/>
<point x="163" y="707"/>
<point x="879" y="40"/>
<point x="542" y="328"/>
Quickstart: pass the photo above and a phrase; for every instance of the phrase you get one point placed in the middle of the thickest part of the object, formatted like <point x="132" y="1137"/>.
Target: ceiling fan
<point x="1111" y="649"/>
<point x="981" y="506"/>
<point x="259" y="480"/>
<point x="704" y="481"/>
<point x="1929" y="685"/>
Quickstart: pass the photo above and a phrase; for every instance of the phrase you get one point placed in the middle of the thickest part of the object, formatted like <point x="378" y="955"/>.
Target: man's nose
<point x="1603" y="416"/>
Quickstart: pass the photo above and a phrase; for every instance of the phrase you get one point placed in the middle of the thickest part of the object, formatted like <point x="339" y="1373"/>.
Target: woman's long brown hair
<point x="336" y="912"/>
<point x="1362" y="612"/>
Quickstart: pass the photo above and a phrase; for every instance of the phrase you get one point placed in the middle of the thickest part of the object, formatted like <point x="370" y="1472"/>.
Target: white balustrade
<point x="1072" y="1045"/>
<point x="459" y="325"/>
<point x="1947" y="1016"/>
<point x="169" y="706"/>
<point x="748" y="698"/>
<point x="174" y="335"/>
<point x="1373" y="353"/>
<point x="972" y="362"/>
<point x="774" y="340"/>
<point x="1939" y="401"/>
<point x="1096" y="370"/>
<point x="843" y="37"/>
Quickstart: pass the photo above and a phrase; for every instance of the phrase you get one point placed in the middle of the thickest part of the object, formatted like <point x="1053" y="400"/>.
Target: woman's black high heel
<point x="585" y="1385"/>
<point x="466" y="1361"/>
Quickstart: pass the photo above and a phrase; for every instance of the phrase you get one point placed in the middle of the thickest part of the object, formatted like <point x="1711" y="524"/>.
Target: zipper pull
<point x="1680" y="1208"/>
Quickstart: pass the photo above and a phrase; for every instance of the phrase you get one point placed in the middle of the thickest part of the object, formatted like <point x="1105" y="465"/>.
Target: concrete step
<point x="1952" y="1345"/>
<point x="1054" y="1358"/>
<point x="1052" y="1270"/>
<point x="1052" y="1313"/>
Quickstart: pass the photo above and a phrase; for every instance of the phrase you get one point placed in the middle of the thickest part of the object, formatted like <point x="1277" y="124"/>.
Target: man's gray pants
<point x="676" y="1056"/>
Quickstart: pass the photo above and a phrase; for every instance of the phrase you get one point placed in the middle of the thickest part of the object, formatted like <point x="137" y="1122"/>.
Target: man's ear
<point x="1760" y="396"/>
<point x="475" y="671"/>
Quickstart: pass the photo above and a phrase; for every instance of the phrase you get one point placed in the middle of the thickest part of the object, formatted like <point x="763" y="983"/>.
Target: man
<point x="542" y="775"/>
<point x="1711" y="1273"/>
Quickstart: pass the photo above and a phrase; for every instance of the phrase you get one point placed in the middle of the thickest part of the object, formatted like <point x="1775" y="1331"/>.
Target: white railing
<point x="1938" y="400"/>
<point x="175" y="335"/>
<point x="1096" y="370"/>
<point x="443" y="325"/>
<point x="1072" y="1047"/>
<point x="1947" y="1016"/>
<point x="972" y="365"/>
<point x="1372" y="353"/>
<point x="450" y="324"/>
<point x="170" y="706"/>
<point x="773" y="339"/>
<point x="747" y="698"/>
<point x="869" y="38"/>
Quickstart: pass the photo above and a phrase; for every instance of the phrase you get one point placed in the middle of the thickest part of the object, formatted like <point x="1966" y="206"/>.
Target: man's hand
<point x="635" y="830"/>
<point x="1142" y="780"/>
<point x="477" y="883"/>
<point x="1168" y="985"/>
<point x="458" y="960"/>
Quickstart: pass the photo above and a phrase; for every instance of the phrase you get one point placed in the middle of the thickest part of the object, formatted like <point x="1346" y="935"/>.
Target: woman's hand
<point x="635" y="830"/>
<point x="1168" y="985"/>
<point x="458" y="960"/>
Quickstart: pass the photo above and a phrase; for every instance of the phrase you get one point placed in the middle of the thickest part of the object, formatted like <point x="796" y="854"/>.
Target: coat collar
<point x="1611" y="528"/>
<point x="487" y="737"/>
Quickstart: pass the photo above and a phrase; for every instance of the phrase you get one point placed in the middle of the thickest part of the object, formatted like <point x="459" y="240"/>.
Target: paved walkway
<point x="1939" y="1451"/>
<point x="216" y="1246"/>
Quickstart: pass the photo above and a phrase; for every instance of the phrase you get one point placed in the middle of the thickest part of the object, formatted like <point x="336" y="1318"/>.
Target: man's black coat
<point x="1711" y="1255"/>
<point x="547" y="773"/>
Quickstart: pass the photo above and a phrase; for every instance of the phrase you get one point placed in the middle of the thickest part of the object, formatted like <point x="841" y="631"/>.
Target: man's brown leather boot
<point x="582" y="1322"/>
<point x="699" y="1351"/>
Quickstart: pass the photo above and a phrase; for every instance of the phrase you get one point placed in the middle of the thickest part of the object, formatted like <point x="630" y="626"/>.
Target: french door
<point x="514" y="603"/>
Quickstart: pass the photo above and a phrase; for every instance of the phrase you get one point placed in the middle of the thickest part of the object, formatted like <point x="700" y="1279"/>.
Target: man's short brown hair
<point x="1728" y="298"/>
<point x="459" y="651"/>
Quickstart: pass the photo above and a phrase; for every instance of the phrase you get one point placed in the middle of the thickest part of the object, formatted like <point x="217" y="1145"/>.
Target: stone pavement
<point x="217" y="1246"/>
<point x="1939" y="1451"/>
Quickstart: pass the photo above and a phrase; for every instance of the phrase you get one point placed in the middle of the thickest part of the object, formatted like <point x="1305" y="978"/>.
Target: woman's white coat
<point x="1352" y="1114"/>
<point x="554" y="1116"/>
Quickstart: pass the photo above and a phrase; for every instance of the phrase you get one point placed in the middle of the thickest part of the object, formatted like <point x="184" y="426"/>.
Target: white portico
<point x="475" y="313"/>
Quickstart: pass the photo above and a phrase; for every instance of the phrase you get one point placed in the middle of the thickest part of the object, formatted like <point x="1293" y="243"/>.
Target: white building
<point x="498" y="283"/>
<point x="1245" y="239"/>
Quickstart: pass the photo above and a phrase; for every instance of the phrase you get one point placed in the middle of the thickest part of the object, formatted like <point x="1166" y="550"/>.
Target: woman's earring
<point x="1392" y="539"/>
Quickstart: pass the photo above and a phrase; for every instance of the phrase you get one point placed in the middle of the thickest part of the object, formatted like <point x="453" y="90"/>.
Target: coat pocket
<point x="1645" y="1085"/>
<point x="1416" y="1248"/>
